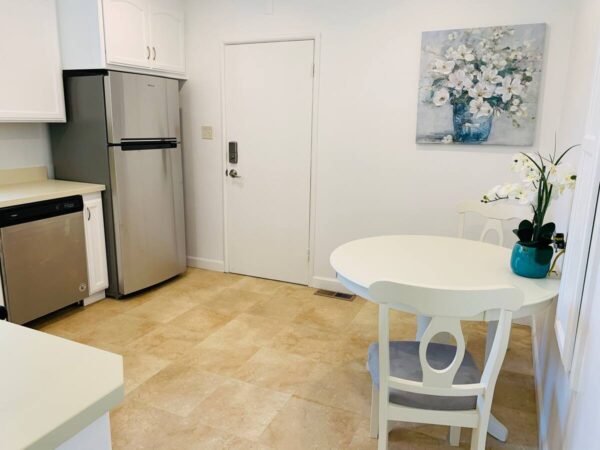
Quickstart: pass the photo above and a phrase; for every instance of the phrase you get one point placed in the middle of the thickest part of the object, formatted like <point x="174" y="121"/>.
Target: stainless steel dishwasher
<point x="42" y="257"/>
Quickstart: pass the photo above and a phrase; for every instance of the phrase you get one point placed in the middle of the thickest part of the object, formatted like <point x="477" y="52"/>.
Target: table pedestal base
<point x="495" y="427"/>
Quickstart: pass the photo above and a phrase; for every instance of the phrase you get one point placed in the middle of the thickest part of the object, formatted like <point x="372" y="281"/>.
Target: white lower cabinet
<point x="95" y="243"/>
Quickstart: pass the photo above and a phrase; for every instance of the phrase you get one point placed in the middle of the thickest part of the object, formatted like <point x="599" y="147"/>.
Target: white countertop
<point x="36" y="191"/>
<point x="52" y="388"/>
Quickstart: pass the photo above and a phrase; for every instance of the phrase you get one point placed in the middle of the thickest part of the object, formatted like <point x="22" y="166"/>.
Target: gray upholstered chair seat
<point x="405" y="363"/>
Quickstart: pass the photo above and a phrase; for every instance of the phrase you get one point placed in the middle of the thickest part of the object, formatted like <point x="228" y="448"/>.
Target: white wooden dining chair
<point x="495" y="214"/>
<point x="427" y="382"/>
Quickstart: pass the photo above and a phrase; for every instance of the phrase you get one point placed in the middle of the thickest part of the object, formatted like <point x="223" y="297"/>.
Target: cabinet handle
<point x="153" y="53"/>
<point x="148" y="52"/>
<point x="89" y="214"/>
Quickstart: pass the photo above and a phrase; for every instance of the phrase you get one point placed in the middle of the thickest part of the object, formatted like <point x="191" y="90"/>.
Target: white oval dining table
<point x="442" y="263"/>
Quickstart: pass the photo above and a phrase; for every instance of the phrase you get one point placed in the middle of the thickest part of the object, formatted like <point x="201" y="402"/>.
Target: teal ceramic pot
<point x="530" y="262"/>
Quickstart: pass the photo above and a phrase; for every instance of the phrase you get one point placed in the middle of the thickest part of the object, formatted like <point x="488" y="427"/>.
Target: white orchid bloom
<point x="443" y="67"/>
<point x="452" y="36"/>
<point x="567" y="181"/>
<point x="481" y="90"/>
<point x="480" y="108"/>
<point x="448" y="139"/>
<point x="441" y="97"/>
<point x="519" y="161"/>
<point x="510" y="86"/>
<point x="552" y="174"/>
<point x="459" y="80"/>
<point x="492" y="194"/>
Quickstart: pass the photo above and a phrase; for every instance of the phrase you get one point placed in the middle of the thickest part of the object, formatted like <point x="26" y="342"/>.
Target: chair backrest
<point x="495" y="214"/>
<point x="446" y="307"/>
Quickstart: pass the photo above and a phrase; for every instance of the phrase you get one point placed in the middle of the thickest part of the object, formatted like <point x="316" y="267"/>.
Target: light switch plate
<point x="207" y="132"/>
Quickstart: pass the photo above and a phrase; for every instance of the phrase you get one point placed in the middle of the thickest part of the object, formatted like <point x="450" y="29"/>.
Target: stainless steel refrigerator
<point x="123" y="131"/>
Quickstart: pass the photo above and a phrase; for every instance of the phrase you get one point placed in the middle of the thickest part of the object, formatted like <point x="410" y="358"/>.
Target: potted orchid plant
<point x="542" y="180"/>
<point x="483" y="77"/>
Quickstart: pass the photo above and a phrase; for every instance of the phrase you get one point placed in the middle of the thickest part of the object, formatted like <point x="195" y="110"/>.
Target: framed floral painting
<point x="480" y="85"/>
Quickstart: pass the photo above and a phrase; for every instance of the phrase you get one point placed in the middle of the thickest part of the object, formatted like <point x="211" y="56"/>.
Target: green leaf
<point x="547" y="231"/>
<point x="524" y="231"/>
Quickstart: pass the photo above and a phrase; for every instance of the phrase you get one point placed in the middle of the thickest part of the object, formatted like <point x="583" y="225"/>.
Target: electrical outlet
<point x="207" y="132"/>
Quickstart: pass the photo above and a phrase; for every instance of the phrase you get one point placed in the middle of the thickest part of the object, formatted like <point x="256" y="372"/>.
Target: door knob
<point x="233" y="174"/>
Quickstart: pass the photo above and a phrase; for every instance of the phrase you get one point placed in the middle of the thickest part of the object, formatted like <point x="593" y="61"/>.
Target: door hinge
<point x="313" y="70"/>
<point x="308" y="254"/>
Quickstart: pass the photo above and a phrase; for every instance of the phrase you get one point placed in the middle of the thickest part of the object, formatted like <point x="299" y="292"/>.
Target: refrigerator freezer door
<point x="141" y="107"/>
<point x="147" y="190"/>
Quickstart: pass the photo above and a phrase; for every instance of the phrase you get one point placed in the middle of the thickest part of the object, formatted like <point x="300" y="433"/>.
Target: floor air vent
<point x="332" y="294"/>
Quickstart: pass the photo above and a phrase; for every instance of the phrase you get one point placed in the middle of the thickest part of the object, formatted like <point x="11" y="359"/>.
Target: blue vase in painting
<point x="469" y="129"/>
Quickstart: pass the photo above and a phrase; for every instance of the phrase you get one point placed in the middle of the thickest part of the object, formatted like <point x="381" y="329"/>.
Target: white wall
<point x="25" y="145"/>
<point x="557" y="401"/>
<point x="371" y="176"/>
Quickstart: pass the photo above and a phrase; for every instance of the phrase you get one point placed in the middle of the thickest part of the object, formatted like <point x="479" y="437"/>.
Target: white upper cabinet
<point x="166" y="35"/>
<point x="31" y="87"/>
<point x="126" y="32"/>
<point x="145" y="36"/>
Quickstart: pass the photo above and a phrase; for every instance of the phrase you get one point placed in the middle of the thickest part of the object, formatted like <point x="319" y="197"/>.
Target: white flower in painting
<point x="480" y="108"/>
<point x="441" y="97"/>
<point x="516" y="55"/>
<point x="447" y="139"/>
<point x="499" y="61"/>
<point x="451" y="36"/>
<point x="515" y="101"/>
<point x="459" y="80"/>
<point x="465" y="53"/>
<point x="469" y="68"/>
<point x="450" y="53"/>
<point x="443" y="67"/>
<point x="510" y="86"/>
<point x="519" y="110"/>
<point x="489" y="75"/>
<point x="481" y="90"/>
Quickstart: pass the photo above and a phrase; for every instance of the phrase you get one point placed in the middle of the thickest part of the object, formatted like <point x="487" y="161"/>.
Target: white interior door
<point x="268" y="112"/>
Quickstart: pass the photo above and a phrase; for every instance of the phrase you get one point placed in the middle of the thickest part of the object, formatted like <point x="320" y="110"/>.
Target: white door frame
<point x="257" y="39"/>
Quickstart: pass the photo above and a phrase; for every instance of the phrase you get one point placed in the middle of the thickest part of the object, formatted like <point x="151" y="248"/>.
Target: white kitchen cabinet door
<point x="126" y="32"/>
<point x="31" y="77"/>
<point x="166" y="35"/>
<point x="95" y="243"/>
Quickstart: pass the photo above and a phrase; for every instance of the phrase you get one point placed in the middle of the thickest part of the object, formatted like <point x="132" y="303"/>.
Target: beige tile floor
<point x="221" y="361"/>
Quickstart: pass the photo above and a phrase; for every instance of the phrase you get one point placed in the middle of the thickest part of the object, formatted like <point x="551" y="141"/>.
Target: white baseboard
<point x="94" y="298"/>
<point x="537" y="379"/>
<point x="330" y="284"/>
<point x="205" y="263"/>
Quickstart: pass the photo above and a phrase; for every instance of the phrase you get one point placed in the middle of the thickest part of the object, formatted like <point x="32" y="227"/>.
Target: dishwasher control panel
<point x="15" y="215"/>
